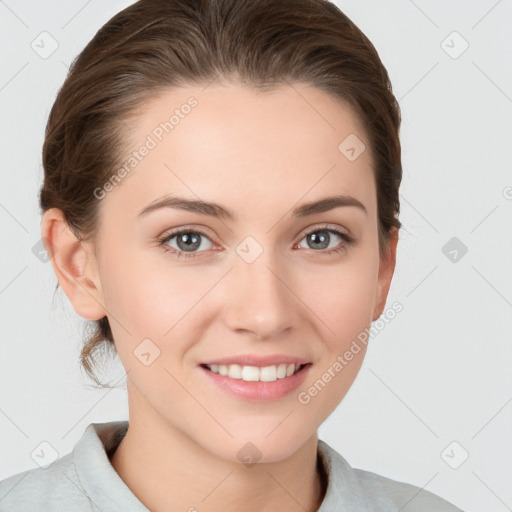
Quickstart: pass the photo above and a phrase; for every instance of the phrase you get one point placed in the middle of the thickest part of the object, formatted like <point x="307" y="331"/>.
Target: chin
<point x="256" y="445"/>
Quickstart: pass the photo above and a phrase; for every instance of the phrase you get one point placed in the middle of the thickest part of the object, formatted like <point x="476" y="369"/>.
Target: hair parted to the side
<point x="154" y="45"/>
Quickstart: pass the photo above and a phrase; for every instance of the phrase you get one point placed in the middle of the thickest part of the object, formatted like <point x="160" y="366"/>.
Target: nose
<point x="260" y="298"/>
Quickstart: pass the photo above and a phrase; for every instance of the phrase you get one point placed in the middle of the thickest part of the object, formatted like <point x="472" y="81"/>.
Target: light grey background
<point x="437" y="373"/>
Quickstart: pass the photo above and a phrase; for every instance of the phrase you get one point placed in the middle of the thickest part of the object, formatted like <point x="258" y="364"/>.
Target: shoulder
<point x="83" y="480"/>
<point x="356" y="489"/>
<point x="55" y="487"/>
<point x="401" y="496"/>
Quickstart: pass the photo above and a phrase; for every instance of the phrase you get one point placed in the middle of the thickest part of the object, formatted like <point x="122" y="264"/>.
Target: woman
<point x="195" y="157"/>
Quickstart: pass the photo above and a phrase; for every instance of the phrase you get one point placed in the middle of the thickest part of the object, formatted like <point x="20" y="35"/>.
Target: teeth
<point x="281" y="371"/>
<point x="255" y="373"/>
<point x="235" y="371"/>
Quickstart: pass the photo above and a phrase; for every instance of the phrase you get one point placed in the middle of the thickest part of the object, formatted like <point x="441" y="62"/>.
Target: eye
<point x="187" y="241"/>
<point x="321" y="238"/>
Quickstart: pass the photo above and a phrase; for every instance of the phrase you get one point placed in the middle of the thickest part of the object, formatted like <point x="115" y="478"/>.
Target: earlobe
<point x="386" y="270"/>
<point x="73" y="264"/>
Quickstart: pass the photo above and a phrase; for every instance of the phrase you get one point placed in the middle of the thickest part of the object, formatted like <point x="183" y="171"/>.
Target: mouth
<point x="256" y="383"/>
<point x="247" y="373"/>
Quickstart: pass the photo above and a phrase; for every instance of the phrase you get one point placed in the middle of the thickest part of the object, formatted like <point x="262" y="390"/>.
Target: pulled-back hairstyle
<point x="154" y="45"/>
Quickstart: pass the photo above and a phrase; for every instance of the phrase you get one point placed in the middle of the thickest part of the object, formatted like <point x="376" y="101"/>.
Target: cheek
<point x="159" y="302"/>
<point x="343" y="297"/>
<point x="146" y="303"/>
<point x="349" y="309"/>
<point x="345" y="310"/>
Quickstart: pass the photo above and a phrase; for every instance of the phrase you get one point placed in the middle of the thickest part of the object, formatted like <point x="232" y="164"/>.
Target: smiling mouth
<point x="256" y="373"/>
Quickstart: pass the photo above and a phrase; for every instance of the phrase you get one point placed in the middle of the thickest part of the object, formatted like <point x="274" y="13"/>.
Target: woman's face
<point x="269" y="282"/>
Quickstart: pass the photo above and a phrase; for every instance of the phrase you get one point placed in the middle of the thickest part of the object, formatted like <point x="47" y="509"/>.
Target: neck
<point x="168" y="471"/>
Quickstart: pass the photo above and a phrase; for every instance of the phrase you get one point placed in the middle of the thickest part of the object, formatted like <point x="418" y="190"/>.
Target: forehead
<point x="251" y="150"/>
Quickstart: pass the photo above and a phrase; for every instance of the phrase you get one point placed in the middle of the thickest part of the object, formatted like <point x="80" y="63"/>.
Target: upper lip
<point x="256" y="360"/>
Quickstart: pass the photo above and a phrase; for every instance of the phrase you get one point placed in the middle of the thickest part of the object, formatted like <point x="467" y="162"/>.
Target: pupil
<point x="188" y="241"/>
<point x="322" y="238"/>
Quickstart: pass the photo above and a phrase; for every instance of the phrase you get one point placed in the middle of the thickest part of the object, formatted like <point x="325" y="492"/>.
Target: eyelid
<point x="205" y="231"/>
<point x="183" y="229"/>
<point x="324" y="225"/>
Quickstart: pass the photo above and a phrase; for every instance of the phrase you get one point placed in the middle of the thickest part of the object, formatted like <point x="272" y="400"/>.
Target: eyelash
<point x="162" y="241"/>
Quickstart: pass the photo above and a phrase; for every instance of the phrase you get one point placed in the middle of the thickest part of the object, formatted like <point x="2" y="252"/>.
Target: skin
<point x="260" y="155"/>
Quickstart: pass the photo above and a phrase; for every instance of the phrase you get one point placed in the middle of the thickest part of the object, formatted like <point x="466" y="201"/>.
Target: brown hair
<point x="154" y="45"/>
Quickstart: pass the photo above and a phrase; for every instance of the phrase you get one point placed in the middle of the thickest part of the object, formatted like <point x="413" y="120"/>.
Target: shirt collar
<point x="343" y="489"/>
<point x="108" y="491"/>
<point x="103" y="485"/>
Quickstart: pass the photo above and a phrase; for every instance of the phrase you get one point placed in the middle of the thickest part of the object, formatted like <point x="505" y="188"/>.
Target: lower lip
<point x="256" y="390"/>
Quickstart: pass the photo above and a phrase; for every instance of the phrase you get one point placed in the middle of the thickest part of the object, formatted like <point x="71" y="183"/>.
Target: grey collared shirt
<point x="84" y="480"/>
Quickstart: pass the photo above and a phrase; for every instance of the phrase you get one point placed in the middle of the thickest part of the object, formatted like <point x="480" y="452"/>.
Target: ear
<point x="386" y="270"/>
<point x="74" y="264"/>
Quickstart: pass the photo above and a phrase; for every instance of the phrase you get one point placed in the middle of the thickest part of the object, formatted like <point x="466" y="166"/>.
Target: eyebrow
<point x="216" y="210"/>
